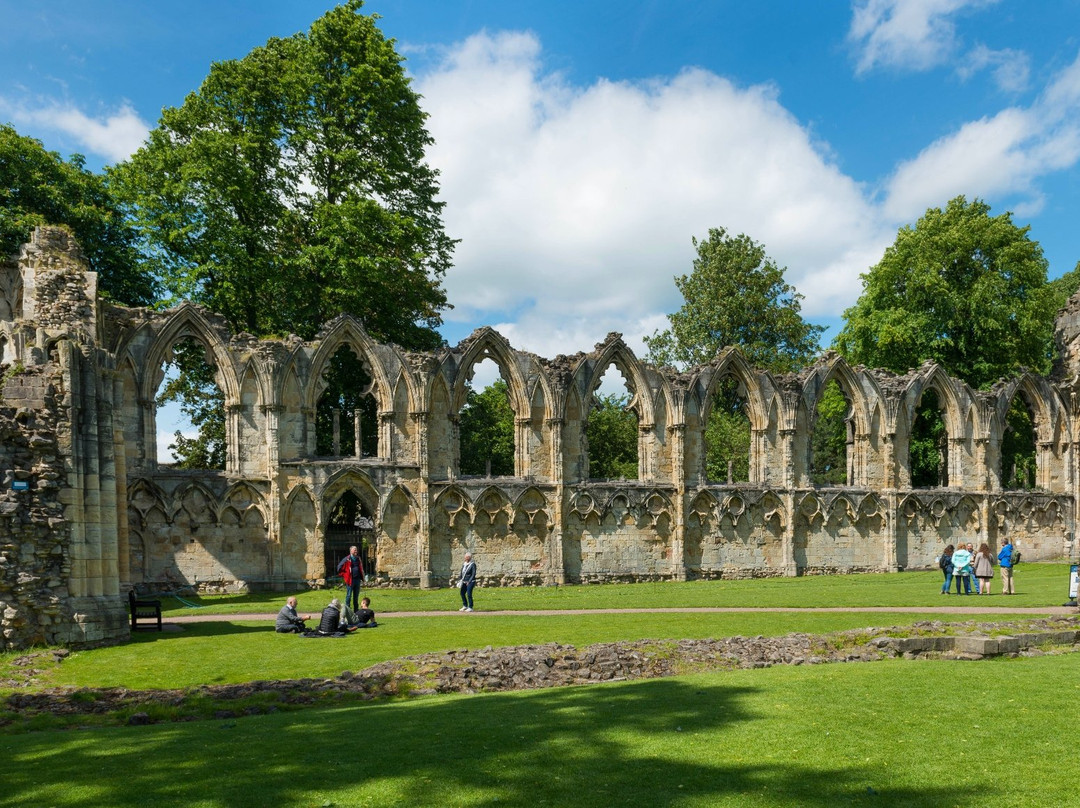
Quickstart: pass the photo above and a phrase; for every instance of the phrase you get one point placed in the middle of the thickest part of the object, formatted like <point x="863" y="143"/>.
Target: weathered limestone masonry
<point x="100" y="515"/>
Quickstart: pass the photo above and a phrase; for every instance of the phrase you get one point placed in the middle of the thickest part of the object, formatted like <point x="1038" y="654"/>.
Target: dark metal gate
<point x="339" y="538"/>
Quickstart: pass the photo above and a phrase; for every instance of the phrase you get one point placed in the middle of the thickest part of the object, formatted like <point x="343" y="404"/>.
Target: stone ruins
<point x="87" y="511"/>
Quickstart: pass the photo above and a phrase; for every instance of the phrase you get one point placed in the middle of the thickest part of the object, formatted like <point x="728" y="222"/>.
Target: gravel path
<point x="1046" y="611"/>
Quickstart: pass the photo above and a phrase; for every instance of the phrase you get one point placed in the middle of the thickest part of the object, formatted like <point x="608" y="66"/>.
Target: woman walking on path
<point x="467" y="582"/>
<point x="984" y="568"/>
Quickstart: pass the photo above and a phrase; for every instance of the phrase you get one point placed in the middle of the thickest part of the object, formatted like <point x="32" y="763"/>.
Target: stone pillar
<point x="123" y="534"/>
<point x="677" y="441"/>
<point x="271" y="420"/>
<point x="234" y="414"/>
<point x="646" y="439"/>
<point x="521" y="446"/>
<point x="148" y="431"/>
<point x="386" y="434"/>
<point x="957" y="476"/>
<point x="423" y="501"/>
<point x="556" y="532"/>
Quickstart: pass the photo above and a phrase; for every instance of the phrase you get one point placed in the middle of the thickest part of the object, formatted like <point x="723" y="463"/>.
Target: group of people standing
<point x="973" y="569"/>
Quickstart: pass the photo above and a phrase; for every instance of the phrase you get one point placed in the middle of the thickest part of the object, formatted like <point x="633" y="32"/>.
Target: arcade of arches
<point x="99" y="513"/>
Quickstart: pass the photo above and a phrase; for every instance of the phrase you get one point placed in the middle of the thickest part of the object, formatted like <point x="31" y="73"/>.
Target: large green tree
<point x="292" y="187"/>
<point x="736" y="295"/>
<point x="963" y="288"/>
<point x="39" y="187"/>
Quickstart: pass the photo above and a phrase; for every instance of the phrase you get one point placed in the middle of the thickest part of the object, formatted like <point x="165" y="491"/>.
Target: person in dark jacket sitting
<point x="331" y="618"/>
<point x="288" y="621"/>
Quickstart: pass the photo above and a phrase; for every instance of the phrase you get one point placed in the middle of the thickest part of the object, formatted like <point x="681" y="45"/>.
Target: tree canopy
<point x="963" y="288"/>
<point x="39" y="187"/>
<point x="736" y="295"/>
<point x="292" y="187"/>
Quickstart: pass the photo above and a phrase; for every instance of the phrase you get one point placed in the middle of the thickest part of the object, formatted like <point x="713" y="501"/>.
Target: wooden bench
<point x="143" y="610"/>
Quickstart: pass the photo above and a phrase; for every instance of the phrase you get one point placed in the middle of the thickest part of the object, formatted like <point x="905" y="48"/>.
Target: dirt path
<point x="1046" y="611"/>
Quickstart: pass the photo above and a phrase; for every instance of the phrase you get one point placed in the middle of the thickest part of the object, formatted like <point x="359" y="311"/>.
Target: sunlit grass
<point x="1038" y="585"/>
<point x="877" y="734"/>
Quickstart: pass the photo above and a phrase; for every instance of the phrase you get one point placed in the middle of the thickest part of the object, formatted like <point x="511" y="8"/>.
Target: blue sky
<point x="583" y="144"/>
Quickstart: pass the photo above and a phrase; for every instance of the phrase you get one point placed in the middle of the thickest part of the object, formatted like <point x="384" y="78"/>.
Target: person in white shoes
<point x="467" y="582"/>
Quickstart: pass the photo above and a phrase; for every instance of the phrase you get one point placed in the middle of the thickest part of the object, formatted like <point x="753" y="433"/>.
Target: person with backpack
<point x="1008" y="558"/>
<point x="946" y="564"/>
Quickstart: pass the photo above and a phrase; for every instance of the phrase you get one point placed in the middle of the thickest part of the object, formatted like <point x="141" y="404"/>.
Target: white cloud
<point x="114" y="137"/>
<point x="1011" y="68"/>
<point x="576" y="206"/>
<point x="906" y="34"/>
<point x="995" y="156"/>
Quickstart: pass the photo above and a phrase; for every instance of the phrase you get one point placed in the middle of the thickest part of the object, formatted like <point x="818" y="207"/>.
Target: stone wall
<point x="128" y="520"/>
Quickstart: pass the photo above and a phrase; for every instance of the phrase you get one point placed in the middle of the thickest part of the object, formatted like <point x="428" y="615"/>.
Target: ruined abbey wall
<point x="99" y="514"/>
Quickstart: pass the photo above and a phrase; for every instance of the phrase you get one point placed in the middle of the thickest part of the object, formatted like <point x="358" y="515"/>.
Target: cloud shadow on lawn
<point x="660" y="742"/>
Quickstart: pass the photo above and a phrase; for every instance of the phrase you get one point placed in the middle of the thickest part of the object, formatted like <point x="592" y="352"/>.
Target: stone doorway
<point x="350" y="523"/>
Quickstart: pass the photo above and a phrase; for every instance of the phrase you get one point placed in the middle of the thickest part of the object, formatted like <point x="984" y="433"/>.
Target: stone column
<point x="423" y="501"/>
<point x="271" y="415"/>
<point x="646" y="438"/>
<point x="386" y="435"/>
<point x="677" y="440"/>
<point x="521" y="446"/>
<point x="557" y="564"/>
<point x="233" y="415"/>
<point x="123" y="534"/>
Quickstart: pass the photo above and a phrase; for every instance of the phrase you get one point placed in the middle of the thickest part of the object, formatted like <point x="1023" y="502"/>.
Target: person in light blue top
<point x="961" y="559"/>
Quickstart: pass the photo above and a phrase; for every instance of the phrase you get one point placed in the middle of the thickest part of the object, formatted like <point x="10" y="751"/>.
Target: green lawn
<point x="1037" y="584"/>
<point x="896" y="733"/>
<point x="230" y="652"/>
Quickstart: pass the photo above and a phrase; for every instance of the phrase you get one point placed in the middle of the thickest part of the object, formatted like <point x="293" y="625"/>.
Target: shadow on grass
<point x="660" y="742"/>
<point x="211" y="628"/>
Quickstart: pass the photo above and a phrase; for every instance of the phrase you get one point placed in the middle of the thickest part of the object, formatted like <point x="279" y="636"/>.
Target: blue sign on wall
<point x="20" y="485"/>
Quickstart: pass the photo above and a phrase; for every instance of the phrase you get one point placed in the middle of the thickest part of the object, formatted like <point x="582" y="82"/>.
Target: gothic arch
<point x="487" y="343"/>
<point x="346" y="331"/>
<point x="838" y="370"/>
<point x="732" y="363"/>
<point x="187" y="321"/>
<point x="348" y="479"/>
<point x="933" y="377"/>
<point x="616" y="352"/>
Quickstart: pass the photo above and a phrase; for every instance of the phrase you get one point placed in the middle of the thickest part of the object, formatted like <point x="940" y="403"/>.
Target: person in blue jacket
<point x="1005" y="561"/>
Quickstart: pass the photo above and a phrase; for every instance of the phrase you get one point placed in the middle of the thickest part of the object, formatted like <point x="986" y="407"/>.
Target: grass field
<point x="896" y="733"/>
<point x="918" y="733"/>
<point x="1037" y="585"/>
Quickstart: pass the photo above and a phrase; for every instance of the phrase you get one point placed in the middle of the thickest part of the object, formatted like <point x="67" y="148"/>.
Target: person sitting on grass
<point x="364" y="618"/>
<point x="288" y="621"/>
<point x="329" y="622"/>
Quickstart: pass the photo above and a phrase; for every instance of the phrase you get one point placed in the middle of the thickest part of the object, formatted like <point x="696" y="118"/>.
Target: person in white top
<point x="467" y="582"/>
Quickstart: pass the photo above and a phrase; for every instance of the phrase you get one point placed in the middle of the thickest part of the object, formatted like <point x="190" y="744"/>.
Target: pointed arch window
<point x="727" y="434"/>
<point x="346" y="416"/>
<point x="611" y="431"/>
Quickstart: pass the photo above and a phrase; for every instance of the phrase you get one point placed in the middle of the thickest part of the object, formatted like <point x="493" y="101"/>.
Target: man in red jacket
<point x="351" y="569"/>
